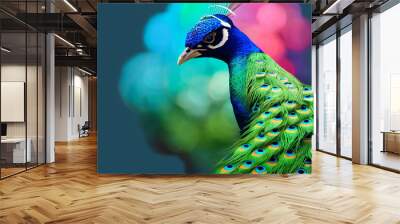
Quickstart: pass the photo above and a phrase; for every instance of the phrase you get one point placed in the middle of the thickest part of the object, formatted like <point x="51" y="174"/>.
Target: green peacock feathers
<point x="273" y="109"/>
<point x="277" y="139"/>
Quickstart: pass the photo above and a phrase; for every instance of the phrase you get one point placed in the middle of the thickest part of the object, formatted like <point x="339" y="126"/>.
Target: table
<point x="391" y="141"/>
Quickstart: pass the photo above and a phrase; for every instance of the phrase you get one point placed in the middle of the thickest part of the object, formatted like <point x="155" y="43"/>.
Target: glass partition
<point x="14" y="153"/>
<point x="22" y="89"/>
<point x="327" y="96"/>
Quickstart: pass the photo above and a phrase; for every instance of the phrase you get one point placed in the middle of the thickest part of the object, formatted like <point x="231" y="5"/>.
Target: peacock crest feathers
<point x="278" y="137"/>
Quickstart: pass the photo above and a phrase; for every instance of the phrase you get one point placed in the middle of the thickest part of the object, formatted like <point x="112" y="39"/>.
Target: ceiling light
<point x="65" y="41"/>
<point x="5" y="50"/>
<point x="331" y="7"/>
<point x="84" y="71"/>
<point x="70" y="5"/>
<point x="337" y="7"/>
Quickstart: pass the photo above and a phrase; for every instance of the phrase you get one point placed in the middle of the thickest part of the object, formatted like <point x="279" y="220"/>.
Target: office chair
<point x="84" y="130"/>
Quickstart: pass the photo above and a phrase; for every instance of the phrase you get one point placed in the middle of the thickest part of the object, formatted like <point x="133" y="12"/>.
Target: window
<point x="346" y="92"/>
<point x="385" y="89"/>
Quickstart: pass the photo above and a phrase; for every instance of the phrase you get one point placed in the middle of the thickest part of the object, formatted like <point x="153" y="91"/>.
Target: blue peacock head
<point x="217" y="37"/>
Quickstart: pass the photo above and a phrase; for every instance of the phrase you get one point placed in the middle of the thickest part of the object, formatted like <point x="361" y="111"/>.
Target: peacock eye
<point x="210" y="38"/>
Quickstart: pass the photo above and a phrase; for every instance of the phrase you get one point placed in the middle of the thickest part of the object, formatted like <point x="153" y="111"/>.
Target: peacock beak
<point x="188" y="54"/>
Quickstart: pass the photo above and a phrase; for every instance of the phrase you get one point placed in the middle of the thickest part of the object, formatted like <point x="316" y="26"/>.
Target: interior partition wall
<point x="334" y="94"/>
<point x="22" y="89"/>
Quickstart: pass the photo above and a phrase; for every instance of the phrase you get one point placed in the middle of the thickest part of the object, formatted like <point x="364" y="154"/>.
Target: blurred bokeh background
<point x="185" y="110"/>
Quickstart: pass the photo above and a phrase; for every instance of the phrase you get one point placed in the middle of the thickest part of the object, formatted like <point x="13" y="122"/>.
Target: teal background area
<point x="122" y="146"/>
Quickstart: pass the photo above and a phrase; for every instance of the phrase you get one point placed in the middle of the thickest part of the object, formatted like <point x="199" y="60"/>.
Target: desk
<point x="16" y="147"/>
<point x="391" y="141"/>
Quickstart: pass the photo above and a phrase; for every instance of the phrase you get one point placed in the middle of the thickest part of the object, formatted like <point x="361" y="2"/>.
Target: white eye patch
<point x="225" y="36"/>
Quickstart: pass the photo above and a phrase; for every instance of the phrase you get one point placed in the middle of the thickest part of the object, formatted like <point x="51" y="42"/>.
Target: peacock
<point x="273" y="109"/>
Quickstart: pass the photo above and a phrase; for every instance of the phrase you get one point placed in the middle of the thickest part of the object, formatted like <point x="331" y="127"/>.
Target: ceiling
<point x="75" y="23"/>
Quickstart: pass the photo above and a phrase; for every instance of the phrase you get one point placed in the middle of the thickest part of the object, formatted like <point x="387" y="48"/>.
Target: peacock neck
<point x="237" y="88"/>
<point x="236" y="53"/>
<point x="238" y="46"/>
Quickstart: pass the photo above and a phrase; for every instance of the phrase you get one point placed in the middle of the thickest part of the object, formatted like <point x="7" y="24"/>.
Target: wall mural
<point x="207" y="88"/>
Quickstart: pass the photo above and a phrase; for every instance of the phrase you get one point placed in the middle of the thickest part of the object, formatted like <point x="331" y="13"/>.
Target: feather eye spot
<point x="292" y="113"/>
<point x="260" y="122"/>
<point x="256" y="107"/>
<point x="227" y="169"/>
<point x="267" y="113"/>
<point x="276" y="105"/>
<point x="303" y="107"/>
<point x="261" y="135"/>
<point x="278" y="117"/>
<point x="301" y="171"/>
<point x="290" y="154"/>
<point x="248" y="162"/>
<point x="292" y="127"/>
<point x="274" y="130"/>
<point x="275" y="144"/>
<point x="258" y="152"/>
<point x="307" y="161"/>
<point x="244" y="148"/>
<point x="307" y="89"/>
<point x="268" y="98"/>
<point x="260" y="168"/>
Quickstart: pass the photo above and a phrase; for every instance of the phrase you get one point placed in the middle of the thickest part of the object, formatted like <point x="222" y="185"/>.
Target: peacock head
<point x="208" y="38"/>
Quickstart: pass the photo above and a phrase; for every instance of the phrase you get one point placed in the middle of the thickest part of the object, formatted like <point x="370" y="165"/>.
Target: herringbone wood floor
<point x="70" y="191"/>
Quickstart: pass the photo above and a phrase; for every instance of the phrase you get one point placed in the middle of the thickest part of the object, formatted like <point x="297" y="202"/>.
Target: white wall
<point x="71" y="102"/>
<point x="314" y="87"/>
<point x="16" y="73"/>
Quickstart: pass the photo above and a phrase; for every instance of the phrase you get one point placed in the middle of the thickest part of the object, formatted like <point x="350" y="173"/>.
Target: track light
<point x="70" y="5"/>
<point x="84" y="71"/>
<point x="65" y="41"/>
<point x="337" y="7"/>
<point x="5" y="50"/>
